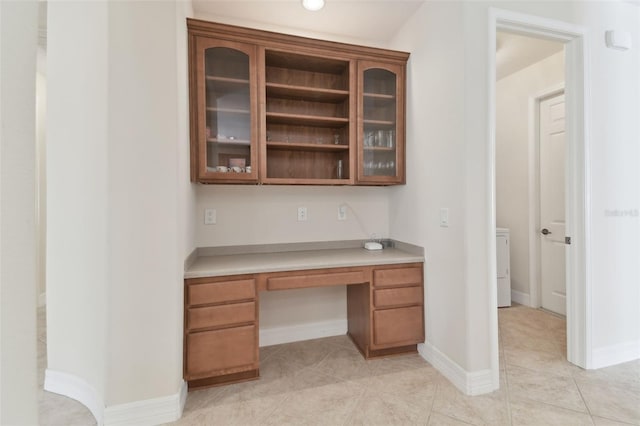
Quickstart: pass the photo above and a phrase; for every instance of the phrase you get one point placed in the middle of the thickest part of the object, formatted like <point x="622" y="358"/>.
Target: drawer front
<point x="221" y="315"/>
<point x="388" y="297"/>
<point x="213" y="352"/>
<point x="225" y="291"/>
<point x="315" y="280"/>
<point x="397" y="277"/>
<point x="398" y="327"/>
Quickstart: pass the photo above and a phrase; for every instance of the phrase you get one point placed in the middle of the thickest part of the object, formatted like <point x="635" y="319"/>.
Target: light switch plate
<point x="342" y="212"/>
<point x="444" y="217"/>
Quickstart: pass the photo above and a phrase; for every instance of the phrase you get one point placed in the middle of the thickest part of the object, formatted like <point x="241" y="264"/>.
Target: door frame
<point x="535" y="282"/>
<point x="577" y="177"/>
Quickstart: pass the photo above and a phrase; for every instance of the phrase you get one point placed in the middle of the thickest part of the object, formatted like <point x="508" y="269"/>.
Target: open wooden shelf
<point x="305" y="120"/>
<point x="287" y="91"/>
<point x="307" y="146"/>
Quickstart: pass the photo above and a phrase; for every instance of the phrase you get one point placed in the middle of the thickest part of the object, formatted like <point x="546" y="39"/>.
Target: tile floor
<point x="326" y="382"/>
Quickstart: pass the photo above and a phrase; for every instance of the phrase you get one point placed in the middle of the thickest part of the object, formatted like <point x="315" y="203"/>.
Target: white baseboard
<point x="153" y="411"/>
<point x="470" y="383"/>
<point x="296" y="333"/>
<point x="615" y="354"/>
<point x="147" y="412"/>
<point x="42" y="299"/>
<point x="72" y="386"/>
<point x="521" y="298"/>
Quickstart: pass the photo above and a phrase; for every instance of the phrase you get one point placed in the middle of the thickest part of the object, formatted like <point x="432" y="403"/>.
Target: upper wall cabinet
<point x="224" y="112"/>
<point x="277" y="109"/>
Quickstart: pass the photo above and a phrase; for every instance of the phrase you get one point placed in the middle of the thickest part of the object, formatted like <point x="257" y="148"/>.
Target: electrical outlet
<point x="342" y="212"/>
<point x="210" y="216"/>
<point x="302" y="214"/>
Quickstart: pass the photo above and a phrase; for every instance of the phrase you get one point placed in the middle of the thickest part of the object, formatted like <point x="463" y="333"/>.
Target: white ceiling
<point x="515" y="52"/>
<point x="377" y="20"/>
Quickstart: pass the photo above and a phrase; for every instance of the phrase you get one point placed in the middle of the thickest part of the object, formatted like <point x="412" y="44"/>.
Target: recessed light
<point x="313" y="5"/>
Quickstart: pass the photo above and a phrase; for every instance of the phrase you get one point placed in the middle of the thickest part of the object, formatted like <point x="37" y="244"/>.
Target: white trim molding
<point x="298" y="332"/>
<point x="578" y="171"/>
<point x="470" y="383"/>
<point x="74" y="387"/>
<point x="42" y="299"/>
<point x="521" y="298"/>
<point x="149" y="411"/>
<point x="616" y="354"/>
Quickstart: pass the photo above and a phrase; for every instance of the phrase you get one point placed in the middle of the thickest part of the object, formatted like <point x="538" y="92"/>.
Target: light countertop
<point x="220" y="261"/>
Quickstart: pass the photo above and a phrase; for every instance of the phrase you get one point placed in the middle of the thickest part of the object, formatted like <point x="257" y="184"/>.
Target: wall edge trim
<point x="75" y="387"/>
<point x="470" y="383"/>
<point x="616" y="354"/>
<point x="148" y="411"/>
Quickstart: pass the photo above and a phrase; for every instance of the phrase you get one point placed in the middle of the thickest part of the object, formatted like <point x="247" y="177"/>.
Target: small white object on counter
<point x="370" y="245"/>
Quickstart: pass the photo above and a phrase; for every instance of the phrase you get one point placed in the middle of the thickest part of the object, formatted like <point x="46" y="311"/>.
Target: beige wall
<point x="513" y="151"/>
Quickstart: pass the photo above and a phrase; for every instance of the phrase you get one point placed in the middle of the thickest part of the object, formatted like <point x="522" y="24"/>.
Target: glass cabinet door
<point x="381" y="124"/>
<point x="227" y="111"/>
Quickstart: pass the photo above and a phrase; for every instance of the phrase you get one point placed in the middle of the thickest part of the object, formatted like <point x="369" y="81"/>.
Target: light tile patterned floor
<point x="326" y="382"/>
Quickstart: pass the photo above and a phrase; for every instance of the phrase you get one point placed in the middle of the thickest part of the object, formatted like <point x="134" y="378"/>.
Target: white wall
<point x="435" y="172"/>
<point x="78" y="273"/>
<point x="41" y="175"/>
<point x="513" y="93"/>
<point x="120" y="199"/>
<point x="145" y="310"/>
<point x="18" y="382"/>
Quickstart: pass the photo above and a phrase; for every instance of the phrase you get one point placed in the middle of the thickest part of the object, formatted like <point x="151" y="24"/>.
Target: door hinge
<point x="567" y="240"/>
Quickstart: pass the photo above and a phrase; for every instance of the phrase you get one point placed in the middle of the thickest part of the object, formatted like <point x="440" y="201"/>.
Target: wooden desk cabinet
<point x="384" y="309"/>
<point x="220" y="330"/>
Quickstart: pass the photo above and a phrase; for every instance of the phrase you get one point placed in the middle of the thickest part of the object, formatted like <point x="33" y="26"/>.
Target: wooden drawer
<point x="224" y="291"/>
<point x="315" y="280"/>
<point x="397" y="277"/>
<point x="389" y="297"/>
<point x="397" y="327"/>
<point x="221" y="315"/>
<point x="221" y="351"/>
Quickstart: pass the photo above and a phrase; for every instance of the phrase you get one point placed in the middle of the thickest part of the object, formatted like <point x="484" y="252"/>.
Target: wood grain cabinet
<point x="384" y="310"/>
<point x="291" y="110"/>
<point x="221" y="331"/>
<point x="387" y="316"/>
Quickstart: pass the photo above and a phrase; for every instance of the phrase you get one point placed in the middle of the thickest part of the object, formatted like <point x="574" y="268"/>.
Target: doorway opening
<point x="575" y="185"/>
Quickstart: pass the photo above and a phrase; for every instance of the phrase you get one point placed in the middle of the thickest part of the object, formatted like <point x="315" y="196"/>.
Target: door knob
<point x="545" y="231"/>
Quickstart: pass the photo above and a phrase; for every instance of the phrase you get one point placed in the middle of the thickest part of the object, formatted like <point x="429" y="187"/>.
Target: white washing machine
<point x="504" y="269"/>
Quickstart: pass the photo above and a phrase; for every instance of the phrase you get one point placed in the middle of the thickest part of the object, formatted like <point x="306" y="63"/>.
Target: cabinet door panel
<point x="390" y="297"/>
<point x="397" y="327"/>
<point x="225" y="291"/>
<point x="397" y="277"/>
<point x="224" y="110"/>
<point x="221" y="351"/>
<point x="381" y="123"/>
<point x="221" y="315"/>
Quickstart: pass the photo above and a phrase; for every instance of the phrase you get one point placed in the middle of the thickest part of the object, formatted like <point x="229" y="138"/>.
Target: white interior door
<point x="552" y="205"/>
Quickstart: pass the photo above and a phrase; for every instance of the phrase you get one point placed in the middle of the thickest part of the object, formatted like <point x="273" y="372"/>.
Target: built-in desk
<point x="384" y="300"/>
